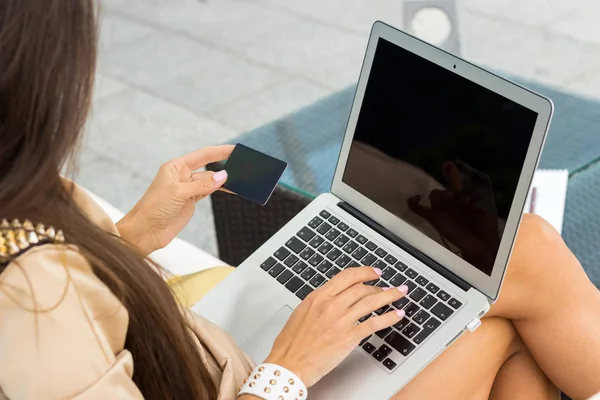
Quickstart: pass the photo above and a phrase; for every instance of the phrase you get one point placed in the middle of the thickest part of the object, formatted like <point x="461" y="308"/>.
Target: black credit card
<point x="252" y="175"/>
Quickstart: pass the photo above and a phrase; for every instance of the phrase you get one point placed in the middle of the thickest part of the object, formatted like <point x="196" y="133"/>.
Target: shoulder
<point x="62" y="329"/>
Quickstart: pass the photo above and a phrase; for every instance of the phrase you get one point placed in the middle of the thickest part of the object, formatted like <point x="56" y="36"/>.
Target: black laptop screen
<point x="441" y="152"/>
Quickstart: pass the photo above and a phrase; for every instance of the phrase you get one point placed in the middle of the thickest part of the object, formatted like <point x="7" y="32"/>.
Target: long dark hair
<point x="47" y="67"/>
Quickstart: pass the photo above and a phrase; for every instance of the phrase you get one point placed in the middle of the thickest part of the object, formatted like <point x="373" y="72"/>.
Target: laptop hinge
<point x="419" y="255"/>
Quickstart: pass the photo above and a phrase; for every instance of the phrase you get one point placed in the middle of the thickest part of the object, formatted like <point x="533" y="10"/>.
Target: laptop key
<point x="295" y="245"/>
<point x="291" y="260"/>
<point x="334" y="254"/>
<point x="332" y="234"/>
<point x="380" y="264"/>
<point x="384" y="332"/>
<point x="428" y="301"/>
<point x="397" y="280"/>
<point x="411" y="309"/>
<point x="325" y="247"/>
<point x="403" y="323"/>
<point x="366" y="317"/>
<point x="325" y="214"/>
<point x="441" y="311"/>
<point x="368" y="347"/>
<point x="282" y="253"/>
<point x="341" y="240"/>
<point x="411" y="330"/>
<point x="388" y="273"/>
<point x="350" y="247"/>
<point x="382" y="310"/>
<point x="385" y="350"/>
<point x="315" y="259"/>
<point x="382" y="284"/>
<point x="443" y="295"/>
<point x="428" y="328"/>
<point x="343" y="261"/>
<point x="352" y="233"/>
<point x="333" y="271"/>
<point x="399" y="304"/>
<point x="352" y="264"/>
<point x="399" y="343"/>
<point x="359" y="253"/>
<point x="317" y="280"/>
<point x="400" y="266"/>
<point x="315" y="222"/>
<point x="421" y="280"/>
<point x="343" y="227"/>
<point x="307" y="253"/>
<point x="372" y="283"/>
<point x="276" y="270"/>
<point x="421" y="317"/>
<point x="365" y="341"/>
<point x="306" y="234"/>
<point x="390" y="259"/>
<point x="369" y="259"/>
<point x="389" y="364"/>
<point x="378" y="356"/>
<point x="411" y="285"/>
<point x="455" y="303"/>
<point x="411" y="273"/>
<point x="418" y="294"/>
<point x="323" y="228"/>
<point x="361" y="239"/>
<point x="304" y="291"/>
<point x="308" y="273"/>
<point x="371" y="246"/>
<point x="333" y="220"/>
<point x="285" y="276"/>
<point x="299" y="267"/>
<point x="316" y="242"/>
<point x="324" y="266"/>
<point x="294" y="284"/>
<point x="432" y="288"/>
<point x="381" y="252"/>
<point x="268" y="263"/>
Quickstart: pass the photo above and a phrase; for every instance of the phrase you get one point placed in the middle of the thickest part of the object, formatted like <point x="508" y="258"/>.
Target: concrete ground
<point x="175" y="75"/>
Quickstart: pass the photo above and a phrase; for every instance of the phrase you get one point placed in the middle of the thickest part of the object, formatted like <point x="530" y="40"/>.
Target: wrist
<point x="290" y="365"/>
<point x="133" y="229"/>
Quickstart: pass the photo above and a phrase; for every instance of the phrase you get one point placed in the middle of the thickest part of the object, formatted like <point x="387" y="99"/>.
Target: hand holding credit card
<point x="253" y="175"/>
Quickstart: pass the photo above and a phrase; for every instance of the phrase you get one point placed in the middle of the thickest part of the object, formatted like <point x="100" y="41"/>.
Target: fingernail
<point x="400" y="313"/>
<point x="385" y="288"/>
<point x="403" y="288"/>
<point x="378" y="271"/>
<point x="220" y="176"/>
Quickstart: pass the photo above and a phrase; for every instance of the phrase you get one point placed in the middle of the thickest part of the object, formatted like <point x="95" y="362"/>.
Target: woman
<point x="84" y="314"/>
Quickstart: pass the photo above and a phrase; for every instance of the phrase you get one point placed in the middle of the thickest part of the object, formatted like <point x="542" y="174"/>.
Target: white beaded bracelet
<point x="273" y="382"/>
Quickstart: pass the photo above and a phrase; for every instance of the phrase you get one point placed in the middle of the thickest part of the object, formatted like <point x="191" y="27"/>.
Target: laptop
<point x="430" y="185"/>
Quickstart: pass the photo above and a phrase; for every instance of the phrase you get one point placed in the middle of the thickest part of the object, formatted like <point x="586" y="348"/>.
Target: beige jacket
<point x="60" y="337"/>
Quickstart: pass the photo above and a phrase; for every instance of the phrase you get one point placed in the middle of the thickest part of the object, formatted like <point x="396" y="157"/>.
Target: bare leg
<point x="548" y="305"/>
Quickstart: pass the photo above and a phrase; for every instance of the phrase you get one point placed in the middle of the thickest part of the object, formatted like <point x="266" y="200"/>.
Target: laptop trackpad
<point x="259" y="344"/>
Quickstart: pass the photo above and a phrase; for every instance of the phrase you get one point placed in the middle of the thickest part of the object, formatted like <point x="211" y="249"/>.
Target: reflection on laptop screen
<point x="439" y="151"/>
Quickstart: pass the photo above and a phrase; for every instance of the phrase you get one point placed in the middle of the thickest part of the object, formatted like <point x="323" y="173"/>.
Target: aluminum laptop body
<point x="429" y="136"/>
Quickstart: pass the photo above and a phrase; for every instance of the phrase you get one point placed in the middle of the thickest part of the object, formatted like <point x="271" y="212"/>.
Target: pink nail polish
<point x="378" y="271"/>
<point x="220" y="176"/>
<point x="403" y="288"/>
<point x="400" y="313"/>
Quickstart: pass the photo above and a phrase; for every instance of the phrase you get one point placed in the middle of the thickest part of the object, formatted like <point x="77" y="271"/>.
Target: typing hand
<point x="323" y="330"/>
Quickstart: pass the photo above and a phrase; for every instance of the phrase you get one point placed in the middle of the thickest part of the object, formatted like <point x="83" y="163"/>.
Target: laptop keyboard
<point x="326" y="246"/>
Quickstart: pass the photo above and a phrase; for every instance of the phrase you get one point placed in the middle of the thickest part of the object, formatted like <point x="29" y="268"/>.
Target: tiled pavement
<point x="175" y="75"/>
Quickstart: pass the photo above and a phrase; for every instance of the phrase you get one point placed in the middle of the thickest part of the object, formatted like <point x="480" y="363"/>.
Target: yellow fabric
<point x="190" y="288"/>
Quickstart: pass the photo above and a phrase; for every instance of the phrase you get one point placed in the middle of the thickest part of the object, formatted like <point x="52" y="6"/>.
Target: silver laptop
<point x="430" y="185"/>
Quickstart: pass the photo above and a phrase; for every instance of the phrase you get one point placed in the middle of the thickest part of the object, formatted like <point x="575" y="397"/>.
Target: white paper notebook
<point x="548" y="196"/>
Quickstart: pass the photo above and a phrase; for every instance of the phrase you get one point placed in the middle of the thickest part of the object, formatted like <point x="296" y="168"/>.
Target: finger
<point x="203" y="183"/>
<point x="348" y="278"/>
<point x="199" y="158"/>
<point x="375" y="324"/>
<point x="354" y="294"/>
<point x="375" y="301"/>
<point x="452" y="175"/>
